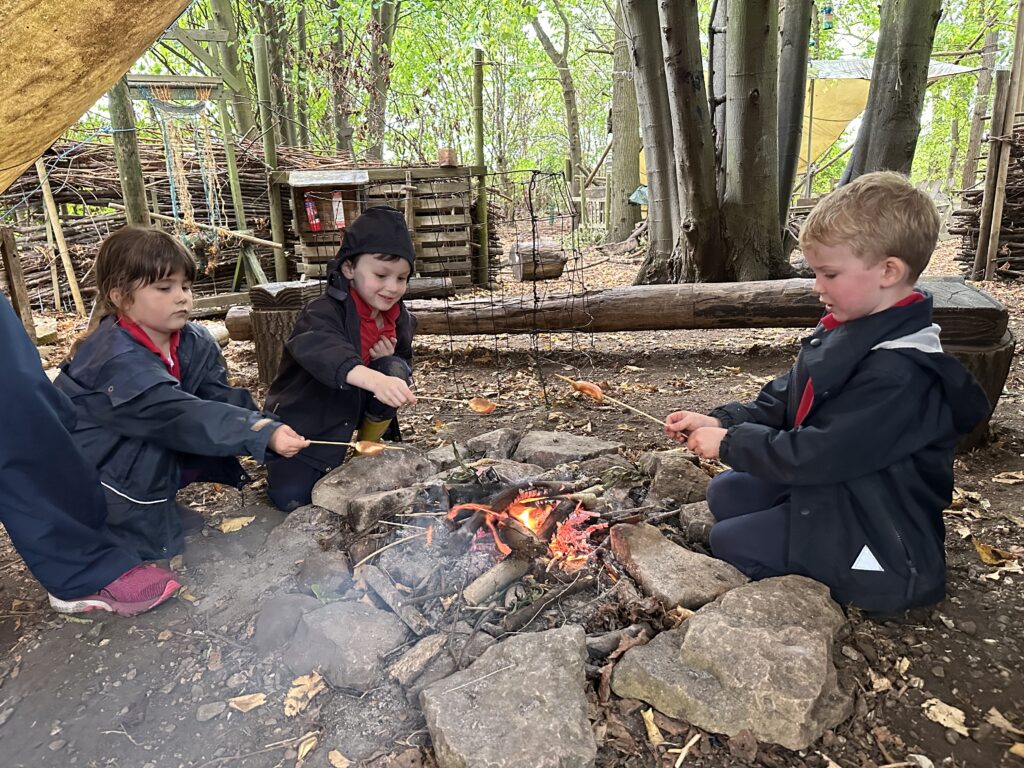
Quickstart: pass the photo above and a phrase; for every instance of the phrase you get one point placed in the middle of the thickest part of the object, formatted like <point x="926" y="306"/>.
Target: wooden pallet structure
<point x="437" y="203"/>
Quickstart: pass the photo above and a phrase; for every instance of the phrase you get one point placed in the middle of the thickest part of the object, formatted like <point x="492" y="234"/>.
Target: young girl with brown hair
<point x="155" y="410"/>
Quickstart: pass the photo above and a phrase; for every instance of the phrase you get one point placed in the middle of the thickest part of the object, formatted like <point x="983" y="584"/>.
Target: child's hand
<point x="384" y="347"/>
<point x="286" y="441"/>
<point x="393" y="391"/>
<point x="705" y="441"/>
<point x="680" y="424"/>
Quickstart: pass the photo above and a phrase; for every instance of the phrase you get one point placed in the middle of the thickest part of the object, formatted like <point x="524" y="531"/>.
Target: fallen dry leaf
<point x="903" y="665"/>
<point x="1017" y="750"/>
<point x="879" y="682"/>
<point x="247" y="702"/>
<point x="213" y="660"/>
<point x="232" y="524"/>
<point x="990" y="555"/>
<point x="165" y="635"/>
<point x="338" y="760"/>
<point x="303" y="690"/>
<point x="1009" y="478"/>
<point x="995" y="717"/>
<point x="306" y="745"/>
<point x="945" y="715"/>
<point x="653" y="734"/>
<point x="184" y="594"/>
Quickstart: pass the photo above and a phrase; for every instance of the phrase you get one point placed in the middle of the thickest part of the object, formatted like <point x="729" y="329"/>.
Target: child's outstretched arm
<point x="390" y="390"/>
<point x="680" y="424"/>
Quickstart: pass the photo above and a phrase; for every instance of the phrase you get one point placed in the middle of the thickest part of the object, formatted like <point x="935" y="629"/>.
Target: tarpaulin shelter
<point x="58" y="58"/>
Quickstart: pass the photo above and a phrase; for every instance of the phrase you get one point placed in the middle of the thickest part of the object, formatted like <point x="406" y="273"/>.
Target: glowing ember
<point x="569" y="543"/>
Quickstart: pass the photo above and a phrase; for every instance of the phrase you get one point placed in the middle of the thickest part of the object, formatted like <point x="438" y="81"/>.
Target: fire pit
<point x="530" y="521"/>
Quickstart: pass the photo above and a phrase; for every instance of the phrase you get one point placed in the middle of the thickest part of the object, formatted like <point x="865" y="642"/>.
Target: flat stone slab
<point x="669" y="572"/>
<point x="279" y="617"/>
<point x="522" y="704"/>
<point x="443" y="457"/>
<point x="549" y="449"/>
<point x="676" y="475"/>
<point x="696" y="520"/>
<point x="362" y="475"/>
<point x="496" y="444"/>
<point x="346" y="641"/>
<point x="366" y="511"/>
<point x="759" y="658"/>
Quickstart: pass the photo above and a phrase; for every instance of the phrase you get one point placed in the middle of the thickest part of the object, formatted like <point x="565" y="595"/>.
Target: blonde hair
<point x="129" y="259"/>
<point x="877" y="215"/>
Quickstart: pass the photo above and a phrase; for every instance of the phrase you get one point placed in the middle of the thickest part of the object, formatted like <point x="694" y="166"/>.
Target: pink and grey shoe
<point x="135" y="591"/>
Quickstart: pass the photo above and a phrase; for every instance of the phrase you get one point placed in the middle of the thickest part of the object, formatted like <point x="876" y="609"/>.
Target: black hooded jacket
<point x="871" y="465"/>
<point x="310" y="392"/>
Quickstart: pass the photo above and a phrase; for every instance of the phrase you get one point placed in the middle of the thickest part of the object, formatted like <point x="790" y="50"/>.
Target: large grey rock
<point x="672" y="574"/>
<point x="326" y="572"/>
<point x="366" y="511"/>
<point x="362" y="475"/>
<point x="520" y="705"/>
<point x="676" y="475"/>
<point x="496" y="444"/>
<point x="696" y="521"/>
<point x="443" y="457"/>
<point x="549" y="449"/>
<point x="503" y="470"/>
<point x="346" y="641"/>
<point x="759" y="658"/>
<point x="278" y="619"/>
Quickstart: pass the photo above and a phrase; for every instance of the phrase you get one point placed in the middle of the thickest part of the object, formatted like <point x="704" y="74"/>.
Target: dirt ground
<point x="102" y="691"/>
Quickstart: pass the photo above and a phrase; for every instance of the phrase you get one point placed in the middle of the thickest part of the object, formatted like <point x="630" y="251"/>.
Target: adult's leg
<point x="733" y="493"/>
<point x="50" y="498"/>
<point x="290" y="482"/>
<point x="756" y="543"/>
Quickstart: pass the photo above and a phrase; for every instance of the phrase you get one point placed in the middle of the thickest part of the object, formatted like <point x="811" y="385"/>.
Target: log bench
<point x="974" y="325"/>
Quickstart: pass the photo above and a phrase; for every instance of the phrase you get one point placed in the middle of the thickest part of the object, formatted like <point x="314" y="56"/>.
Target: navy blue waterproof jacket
<point x="871" y="465"/>
<point x="310" y="392"/>
<point x="140" y="426"/>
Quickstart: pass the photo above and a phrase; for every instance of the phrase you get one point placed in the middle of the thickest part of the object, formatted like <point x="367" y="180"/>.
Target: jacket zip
<point x="912" y="581"/>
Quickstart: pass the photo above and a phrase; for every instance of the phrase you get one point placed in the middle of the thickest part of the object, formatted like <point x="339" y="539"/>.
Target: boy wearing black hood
<point x="841" y="468"/>
<point x="348" y="362"/>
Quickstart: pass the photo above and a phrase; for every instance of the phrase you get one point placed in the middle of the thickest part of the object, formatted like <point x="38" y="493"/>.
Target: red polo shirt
<point x="369" y="332"/>
<point x="136" y="332"/>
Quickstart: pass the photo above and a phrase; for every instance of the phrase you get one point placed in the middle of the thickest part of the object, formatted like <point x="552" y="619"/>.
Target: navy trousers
<point x="51" y="502"/>
<point x="752" y="523"/>
<point x="290" y="481"/>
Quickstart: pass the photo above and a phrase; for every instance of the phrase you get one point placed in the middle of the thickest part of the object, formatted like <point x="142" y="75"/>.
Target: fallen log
<point x="385" y="589"/>
<point x="495" y="579"/>
<point x="415" y="660"/>
<point x="965" y="313"/>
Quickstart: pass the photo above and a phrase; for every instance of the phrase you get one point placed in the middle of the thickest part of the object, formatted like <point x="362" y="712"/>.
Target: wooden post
<point x="265" y="94"/>
<point x="228" y="136"/>
<point x="991" y="175"/>
<point x="981" y="103"/>
<point x="51" y="256"/>
<point x="58" y="234"/>
<point x="483" y="264"/>
<point x="1004" y="131"/>
<point x="16" y="281"/>
<point x="126" y="152"/>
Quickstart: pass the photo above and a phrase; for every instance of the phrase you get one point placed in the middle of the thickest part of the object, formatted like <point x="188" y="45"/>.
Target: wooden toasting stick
<point x="595" y="392"/>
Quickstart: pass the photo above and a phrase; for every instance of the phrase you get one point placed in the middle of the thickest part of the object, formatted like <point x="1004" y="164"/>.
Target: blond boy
<point x="841" y="468"/>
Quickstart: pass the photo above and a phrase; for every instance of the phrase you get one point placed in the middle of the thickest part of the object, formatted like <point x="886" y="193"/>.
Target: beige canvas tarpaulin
<point x="58" y="58"/>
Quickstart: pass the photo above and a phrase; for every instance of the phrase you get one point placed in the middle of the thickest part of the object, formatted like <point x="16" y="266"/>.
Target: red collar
<point x="136" y="331"/>
<point x="830" y="322"/>
<point x="366" y="311"/>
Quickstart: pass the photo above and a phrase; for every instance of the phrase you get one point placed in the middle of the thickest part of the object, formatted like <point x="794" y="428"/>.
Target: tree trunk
<point x="981" y="106"/>
<point x="750" y="206"/>
<point x="382" y="32"/>
<point x="302" y="104"/>
<point x="794" y="37"/>
<point x="242" y="102"/>
<point x="572" y="117"/>
<point x="699" y="243"/>
<point x="642" y="29"/>
<point x="272" y="24"/>
<point x="340" y="97"/>
<point x="716" y="92"/>
<point x="892" y="118"/>
<point x="622" y="216"/>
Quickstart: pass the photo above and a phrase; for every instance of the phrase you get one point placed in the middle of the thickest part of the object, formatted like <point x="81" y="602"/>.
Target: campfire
<point x="531" y="522"/>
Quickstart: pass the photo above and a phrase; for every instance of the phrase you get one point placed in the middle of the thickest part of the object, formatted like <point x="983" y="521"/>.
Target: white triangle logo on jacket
<point x="866" y="561"/>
